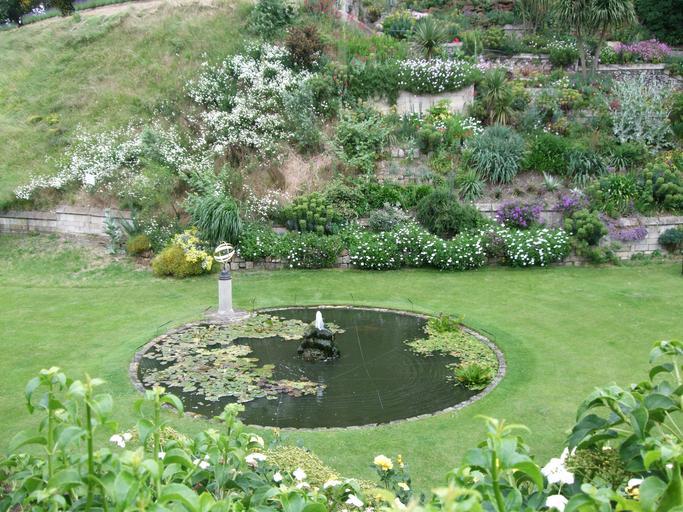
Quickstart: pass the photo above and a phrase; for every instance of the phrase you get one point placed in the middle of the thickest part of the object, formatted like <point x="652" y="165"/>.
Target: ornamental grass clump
<point x="496" y="154"/>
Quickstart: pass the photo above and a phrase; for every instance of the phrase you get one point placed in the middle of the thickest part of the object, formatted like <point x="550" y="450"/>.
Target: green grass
<point x="101" y="72"/>
<point x="563" y="331"/>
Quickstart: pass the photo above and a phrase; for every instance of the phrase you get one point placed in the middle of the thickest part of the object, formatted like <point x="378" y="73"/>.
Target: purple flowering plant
<point x="519" y="215"/>
<point x="644" y="51"/>
<point x="621" y="233"/>
<point x="570" y="203"/>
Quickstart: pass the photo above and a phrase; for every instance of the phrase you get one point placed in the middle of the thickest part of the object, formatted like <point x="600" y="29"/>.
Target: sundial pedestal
<point x="225" y="313"/>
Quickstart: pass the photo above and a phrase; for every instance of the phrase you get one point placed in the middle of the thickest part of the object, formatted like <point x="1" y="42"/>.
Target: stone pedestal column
<point x="225" y="293"/>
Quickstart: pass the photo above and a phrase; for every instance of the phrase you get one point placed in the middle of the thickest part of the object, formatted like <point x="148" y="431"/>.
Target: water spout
<point x="319" y="324"/>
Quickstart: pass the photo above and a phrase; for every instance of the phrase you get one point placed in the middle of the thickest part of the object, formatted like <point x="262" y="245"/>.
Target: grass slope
<point x="563" y="331"/>
<point x="100" y="72"/>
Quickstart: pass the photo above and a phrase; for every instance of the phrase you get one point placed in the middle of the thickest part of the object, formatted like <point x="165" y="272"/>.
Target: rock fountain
<point x="318" y="343"/>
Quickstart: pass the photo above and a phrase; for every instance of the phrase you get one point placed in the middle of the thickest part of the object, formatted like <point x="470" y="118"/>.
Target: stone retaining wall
<point x="409" y="103"/>
<point x="90" y="221"/>
<point x="72" y="220"/>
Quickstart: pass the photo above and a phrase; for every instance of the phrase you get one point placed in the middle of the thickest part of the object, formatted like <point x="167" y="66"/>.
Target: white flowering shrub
<point x="114" y="163"/>
<point x="535" y="247"/>
<point x="422" y="76"/>
<point x="375" y="251"/>
<point x="243" y="97"/>
<point x="412" y="246"/>
<point x="264" y="207"/>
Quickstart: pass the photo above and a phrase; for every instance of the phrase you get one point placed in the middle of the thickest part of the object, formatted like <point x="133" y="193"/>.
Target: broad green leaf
<point x="69" y="435"/>
<point x="651" y="491"/>
<point x="180" y="493"/>
<point x="531" y="470"/>
<point x="173" y="401"/>
<point x="65" y="480"/>
<point x="23" y="439"/>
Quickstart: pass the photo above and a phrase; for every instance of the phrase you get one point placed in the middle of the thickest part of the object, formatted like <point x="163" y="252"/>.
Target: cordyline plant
<point x="228" y="470"/>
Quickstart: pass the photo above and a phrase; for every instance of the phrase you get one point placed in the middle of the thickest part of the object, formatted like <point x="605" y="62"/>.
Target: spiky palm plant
<point x="496" y="96"/>
<point x="429" y="34"/>
<point x="607" y="15"/>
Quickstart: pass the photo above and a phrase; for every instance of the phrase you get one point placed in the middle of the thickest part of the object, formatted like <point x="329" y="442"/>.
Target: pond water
<point x="377" y="378"/>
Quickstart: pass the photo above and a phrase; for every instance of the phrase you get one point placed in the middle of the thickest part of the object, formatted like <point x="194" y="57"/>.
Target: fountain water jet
<point x="318" y="343"/>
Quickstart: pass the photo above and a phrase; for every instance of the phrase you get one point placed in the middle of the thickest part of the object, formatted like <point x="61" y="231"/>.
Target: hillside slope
<point x="101" y="70"/>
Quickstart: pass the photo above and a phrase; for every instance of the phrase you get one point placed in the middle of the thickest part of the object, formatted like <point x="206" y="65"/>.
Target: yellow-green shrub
<point x="172" y="262"/>
<point x="138" y="244"/>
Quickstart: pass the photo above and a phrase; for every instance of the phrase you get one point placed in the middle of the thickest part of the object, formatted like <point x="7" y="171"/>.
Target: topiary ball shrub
<point x="672" y="239"/>
<point x="443" y="215"/>
<point x="172" y="262"/>
<point x="497" y="154"/>
<point x="586" y="227"/>
<point x="138" y="244"/>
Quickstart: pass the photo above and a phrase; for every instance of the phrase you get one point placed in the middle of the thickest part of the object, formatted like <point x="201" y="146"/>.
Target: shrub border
<point x="502" y="367"/>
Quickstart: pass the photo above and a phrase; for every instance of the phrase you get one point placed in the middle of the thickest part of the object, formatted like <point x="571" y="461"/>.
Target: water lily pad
<point x="207" y="360"/>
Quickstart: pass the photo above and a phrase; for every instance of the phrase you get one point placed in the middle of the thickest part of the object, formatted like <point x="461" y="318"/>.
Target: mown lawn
<point x="563" y="331"/>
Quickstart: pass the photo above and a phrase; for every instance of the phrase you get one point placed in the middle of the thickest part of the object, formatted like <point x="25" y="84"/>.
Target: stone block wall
<point x="71" y="220"/>
<point x="90" y="221"/>
<point x="409" y="103"/>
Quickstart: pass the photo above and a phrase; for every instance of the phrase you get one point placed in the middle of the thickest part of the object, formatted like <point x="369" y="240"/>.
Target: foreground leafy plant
<point x="231" y="470"/>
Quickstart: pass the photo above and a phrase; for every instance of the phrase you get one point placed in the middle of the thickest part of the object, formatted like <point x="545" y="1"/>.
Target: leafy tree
<point x="593" y="19"/>
<point x="13" y="10"/>
<point x="574" y="14"/>
<point x="664" y="18"/>
<point x="66" y="7"/>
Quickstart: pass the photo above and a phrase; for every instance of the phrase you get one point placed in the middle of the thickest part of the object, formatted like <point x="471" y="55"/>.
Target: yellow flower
<point x="383" y="463"/>
<point x="399" y="459"/>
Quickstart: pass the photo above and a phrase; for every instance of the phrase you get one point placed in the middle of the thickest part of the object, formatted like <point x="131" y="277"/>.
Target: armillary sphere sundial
<point x="223" y="254"/>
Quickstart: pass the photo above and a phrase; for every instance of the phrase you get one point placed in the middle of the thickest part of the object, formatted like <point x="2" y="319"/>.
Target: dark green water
<point x="377" y="379"/>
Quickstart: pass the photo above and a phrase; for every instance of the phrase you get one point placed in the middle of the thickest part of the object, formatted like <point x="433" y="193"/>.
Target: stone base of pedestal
<point x="224" y="318"/>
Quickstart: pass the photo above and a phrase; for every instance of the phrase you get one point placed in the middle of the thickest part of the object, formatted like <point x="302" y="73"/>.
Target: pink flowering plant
<point x="643" y="51"/>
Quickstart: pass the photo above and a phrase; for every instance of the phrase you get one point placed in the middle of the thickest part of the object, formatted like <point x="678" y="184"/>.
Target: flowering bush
<point x="434" y="76"/>
<point x="244" y="97"/>
<point x="116" y="162"/>
<point x="570" y="203"/>
<point x="257" y="242"/>
<point x="309" y="250"/>
<point x="643" y="51"/>
<point x="518" y="215"/>
<point x="535" y="247"/>
<point x="185" y="256"/>
<point x="375" y="251"/>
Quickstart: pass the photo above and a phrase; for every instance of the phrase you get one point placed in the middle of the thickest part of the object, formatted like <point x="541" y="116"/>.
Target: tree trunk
<point x="596" y="55"/>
